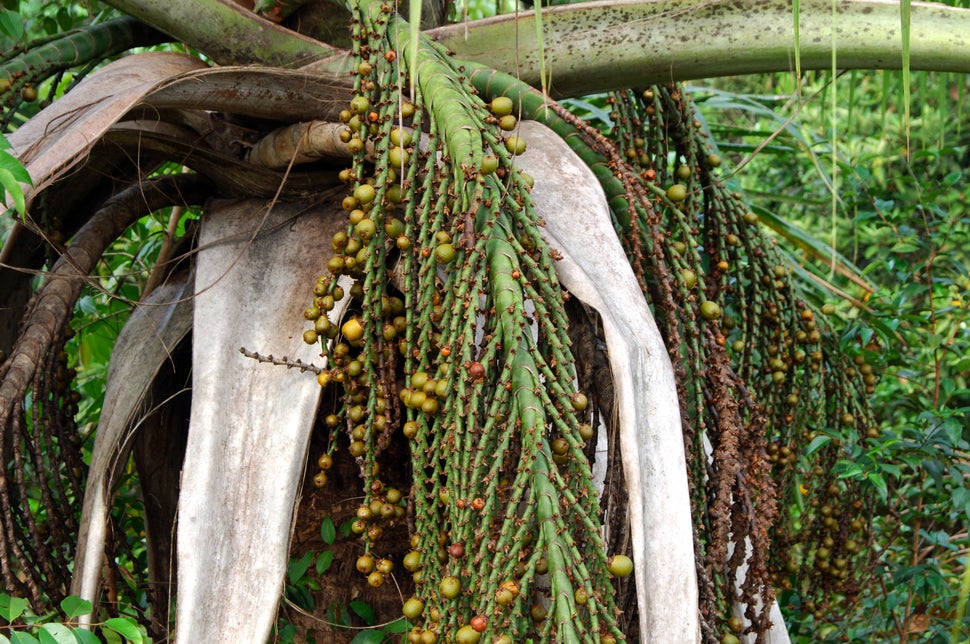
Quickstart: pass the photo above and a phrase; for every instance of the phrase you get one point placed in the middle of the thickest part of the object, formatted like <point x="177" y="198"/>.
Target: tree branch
<point x="599" y="46"/>
<point x="226" y="32"/>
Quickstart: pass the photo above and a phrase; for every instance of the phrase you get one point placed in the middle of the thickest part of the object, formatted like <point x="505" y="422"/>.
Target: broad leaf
<point x="368" y="637"/>
<point x="9" y="183"/>
<point x="12" y="607"/>
<point x="126" y="628"/>
<point x="364" y="611"/>
<point x="74" y="606"/>
<point x="19" y="637"/>
<point x="85" y="636"/>
<point x="328" y="532"/>
<point x="11" y="24"/>
<point x="324" y="561"/>
<point x="56" y="634"/>
<point x="298" y="567"/>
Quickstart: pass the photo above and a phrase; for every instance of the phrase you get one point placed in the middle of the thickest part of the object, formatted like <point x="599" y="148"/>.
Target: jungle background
<point x="867" y="196"/>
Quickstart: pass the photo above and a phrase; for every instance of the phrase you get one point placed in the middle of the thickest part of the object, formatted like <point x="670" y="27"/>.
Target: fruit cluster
<point x="441" y="318"/>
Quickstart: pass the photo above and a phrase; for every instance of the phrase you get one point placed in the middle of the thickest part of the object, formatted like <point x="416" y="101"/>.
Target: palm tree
<point x="479" y="273"/>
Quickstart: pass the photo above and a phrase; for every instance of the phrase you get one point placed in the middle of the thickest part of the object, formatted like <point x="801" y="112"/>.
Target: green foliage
<point x="24" y="627"/>
<point x="12" y="174"/>
<point x="900" y="281"/>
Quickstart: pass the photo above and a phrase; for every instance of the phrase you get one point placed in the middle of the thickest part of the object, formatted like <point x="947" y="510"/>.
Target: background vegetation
<point x="890" y="199"/>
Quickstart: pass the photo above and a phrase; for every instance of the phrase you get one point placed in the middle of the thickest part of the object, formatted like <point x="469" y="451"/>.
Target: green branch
<point x="598" y="46"/>
<point x="226" y="32"/>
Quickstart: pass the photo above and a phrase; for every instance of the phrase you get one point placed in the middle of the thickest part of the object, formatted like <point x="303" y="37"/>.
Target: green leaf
<point x="817" y="443"/>
<point x="879" y="483"/>
<point x="9" y="183"/>
<point x="328" y="531"/>
<point x="6" y="640"/>
<point x="298" y="567"/>
<point x="397" y="626"/>
<point x="74" y="606"/>
<point x="12" y="607"/>
<point x="324" y="561"/>
<point x="13" y="165"/>
<point x="111" y="637"/>
<point x="364" y="611"/>
<point x="19" y="637"/>
<point x="904" y="247"/>
<point x="12" y="24"/>
<point x="56" y="634"/>
<point x="369" y="636"/>
<point x="126" y="628"/>
<point x="301" y="596"/>
<point x="85" y="636"/>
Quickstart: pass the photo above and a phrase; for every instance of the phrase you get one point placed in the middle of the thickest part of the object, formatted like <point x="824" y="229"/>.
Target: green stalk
<point x="598" y="46"/>
<point x="227" y="33"/>
<point x="81" y="46"/>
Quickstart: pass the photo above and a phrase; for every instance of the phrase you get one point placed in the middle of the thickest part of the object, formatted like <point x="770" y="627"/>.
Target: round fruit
<point x="730" y="638"/>
<point x="507" y="123"/>
<point x="489" y="164"/>
<point x="366" y="228"/>
<point x="320" y="479"/>
<point x="714" y="160"/>
<point x="365" y="193"/>
<point x="504" y="597"/>
<point x="413" y="608"/>
<point x="410" y="429"/>
<point x="579" y="401"/>
<point x="683" y="172"/>
<point x="689" y="277"/>
<point x="352" y="329"/>
<point x="449" y="587"/>
<point x="677" y="192"/>
<point x="397" y="156"/>
<point x="710" y="310"/>
<point x="560" y="446"/>
<point x="360" y="104"/>
<point x="502" y="106"/>
<point x="620" y="565"/>
<point x="445" y="254"/>
<point x="476" y="370"/>
<point x="400" y="137"/>
<point x="29" y="94"/>
<point x="515" y="144"/>
<point x="467" y="635"/>
<point x="309" y="336"/>
<point x="375" y="579"/>
<point x="479" y="623"/>
<point x="412" y="561"/>
<point x="735" y="624"/>
<point x="365" y="563"/>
